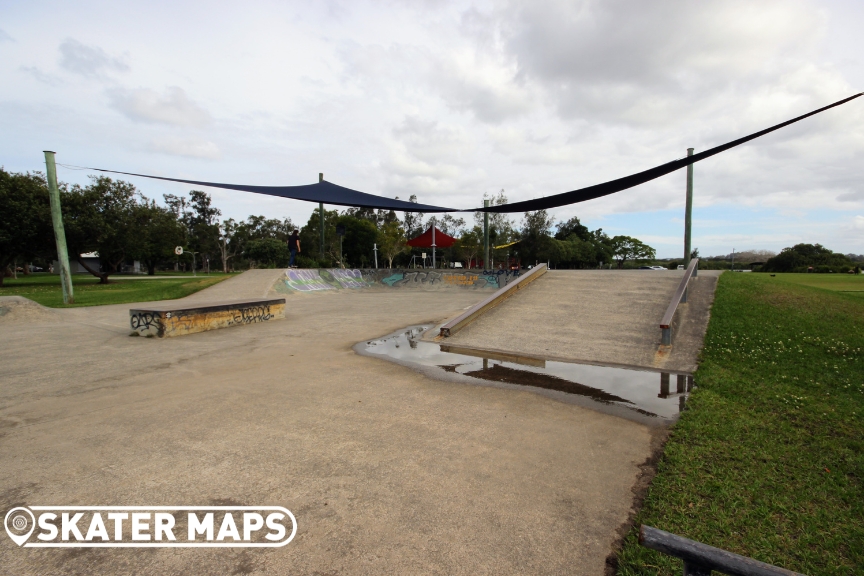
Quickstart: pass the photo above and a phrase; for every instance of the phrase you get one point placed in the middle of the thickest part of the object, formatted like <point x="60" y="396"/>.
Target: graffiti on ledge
<point x="145" y="321"/>
<point x="179" y="322"/>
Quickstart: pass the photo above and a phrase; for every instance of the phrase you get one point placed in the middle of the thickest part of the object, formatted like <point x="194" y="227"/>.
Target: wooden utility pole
<point x="321" y="214"/>
<point x="59" y="231"/>
<point x="688" y="213"/>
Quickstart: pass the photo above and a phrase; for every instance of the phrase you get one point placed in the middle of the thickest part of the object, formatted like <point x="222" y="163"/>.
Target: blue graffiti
<point x="391" y="280"/>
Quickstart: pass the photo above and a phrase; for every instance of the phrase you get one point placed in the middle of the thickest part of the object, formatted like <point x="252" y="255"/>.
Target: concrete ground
<point x="249" y="284"/>
<point x="598" y="316"/>
<point x="386" y="471"/>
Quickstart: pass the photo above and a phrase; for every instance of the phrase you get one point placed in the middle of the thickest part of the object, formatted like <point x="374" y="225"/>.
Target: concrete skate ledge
<point x="451" y="327"/>
<point x="175" y="319"/>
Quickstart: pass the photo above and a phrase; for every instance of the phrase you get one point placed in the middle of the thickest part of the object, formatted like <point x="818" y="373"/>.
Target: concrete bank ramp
<point x="297" y="281"/>
<point x="248" y="284"/>
<point x="17" y="309"/>
<point x="269" y="282"/>
<point x="598" y="316"/>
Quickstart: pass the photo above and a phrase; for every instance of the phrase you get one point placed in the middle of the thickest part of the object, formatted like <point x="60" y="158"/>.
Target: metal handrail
<point x="679" y="297"/>
<point x="700" y="559"/>
<point x="455" y="324"/>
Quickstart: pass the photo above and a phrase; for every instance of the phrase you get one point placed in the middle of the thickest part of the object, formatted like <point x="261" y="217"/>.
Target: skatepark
<point x="387" y="468"/>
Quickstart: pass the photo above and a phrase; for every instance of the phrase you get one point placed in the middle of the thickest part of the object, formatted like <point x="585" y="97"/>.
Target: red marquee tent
<point x="430" y="236"/>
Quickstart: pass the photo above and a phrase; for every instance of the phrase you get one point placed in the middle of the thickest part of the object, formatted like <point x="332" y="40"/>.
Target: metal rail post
<point x="59" y="230"/>
<point x="679" y="297"/>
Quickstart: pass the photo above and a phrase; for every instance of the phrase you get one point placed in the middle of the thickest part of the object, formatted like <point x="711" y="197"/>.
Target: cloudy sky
<point x="451" y="100"/>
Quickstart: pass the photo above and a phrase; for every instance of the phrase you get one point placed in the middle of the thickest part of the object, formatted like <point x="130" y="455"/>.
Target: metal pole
<point x="486" y="236"/>
<point x="375" y="249"/>
<point x="733" y="259"/>
<point x="59" y="231"/>
<point x="688" y="212"/>
<point x="321" y="213"/>
<point x="433" y="243"/>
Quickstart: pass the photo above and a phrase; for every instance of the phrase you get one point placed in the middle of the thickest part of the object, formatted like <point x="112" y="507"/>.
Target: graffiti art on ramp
<point x="316" y="280"/>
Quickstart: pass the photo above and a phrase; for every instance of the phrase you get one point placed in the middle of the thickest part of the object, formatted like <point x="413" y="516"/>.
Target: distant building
<point x="92" y="260"/>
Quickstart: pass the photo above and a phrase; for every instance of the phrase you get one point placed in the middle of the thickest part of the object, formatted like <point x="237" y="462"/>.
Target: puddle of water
<point x="637" y="394"/>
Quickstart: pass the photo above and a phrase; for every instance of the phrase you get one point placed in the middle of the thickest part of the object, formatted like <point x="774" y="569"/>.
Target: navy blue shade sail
<point x="325" y="192"/>
<point x="330" y="193"/>
<point x="599" y="190"/>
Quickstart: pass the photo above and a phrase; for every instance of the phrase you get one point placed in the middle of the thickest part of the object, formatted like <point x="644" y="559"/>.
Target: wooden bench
<point x="175" y="319"/>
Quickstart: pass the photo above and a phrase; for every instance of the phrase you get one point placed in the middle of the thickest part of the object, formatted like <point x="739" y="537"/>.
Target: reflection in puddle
<point x="624" y="391"/>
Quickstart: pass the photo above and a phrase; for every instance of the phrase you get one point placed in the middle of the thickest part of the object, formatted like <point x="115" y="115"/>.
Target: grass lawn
<point x="45" y="288"/>
<point x="768" y="461"/>
<point x="838" y="282"/>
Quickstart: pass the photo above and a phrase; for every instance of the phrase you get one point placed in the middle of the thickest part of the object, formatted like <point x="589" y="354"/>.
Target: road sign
<point x="178" y="250"/>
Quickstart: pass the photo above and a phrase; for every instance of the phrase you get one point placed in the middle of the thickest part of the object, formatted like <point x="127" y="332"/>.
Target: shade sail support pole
<point x="321" y="216"/>
<point x="688" y="213"/>
<point x="59" y="230"/>
<point x="485" y="236"/>
<point x="433" y="242"/>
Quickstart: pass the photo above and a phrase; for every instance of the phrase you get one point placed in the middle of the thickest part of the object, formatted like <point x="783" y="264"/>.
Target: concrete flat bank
<point x="598" y="316"/>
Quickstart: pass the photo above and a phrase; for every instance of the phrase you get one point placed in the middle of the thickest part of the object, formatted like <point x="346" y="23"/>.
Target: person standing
<point x="293" y="247"/>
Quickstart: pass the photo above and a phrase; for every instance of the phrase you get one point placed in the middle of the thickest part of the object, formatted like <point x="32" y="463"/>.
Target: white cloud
<point x="88" y="60"/>
<point x="449" y="100"/>
<point x="41" y="76"/>
<point x="186" y="147"/>
<point x="146" y="105"/>
<point x="5" y="37"/>
<point x="642" y="62"/>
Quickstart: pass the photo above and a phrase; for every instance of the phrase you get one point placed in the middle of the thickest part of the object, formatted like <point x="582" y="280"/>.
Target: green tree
<point x="604" y="247"/>
<point x="203" y="226"/>
<point x="268" y="252"/>
<point x="412" y="222"/>
<point x="556" y="252"/>
<point x="376" y="217"/>
<point x="25" y="219"/>
<point x="392" y="241"/>
<point x="501" y="229"/>
<point x="535" y="242"/>
<point x="572" y="227"/>
<point x="227" y="246"/>
<point x="470" y="244"/>
<point x="627" y="248"/>
<point x="157" y="234"/>
<point x="358" y="242"/>
<point x="234" y="237"/>
<point x="203" y="231"/>
<point x="101" y="218"/>
<point x="800" y="257"/>
<point x="310" y="237"/>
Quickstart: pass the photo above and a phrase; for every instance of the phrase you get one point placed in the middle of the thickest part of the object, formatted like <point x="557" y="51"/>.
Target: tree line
<point x="116" y="221"/>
